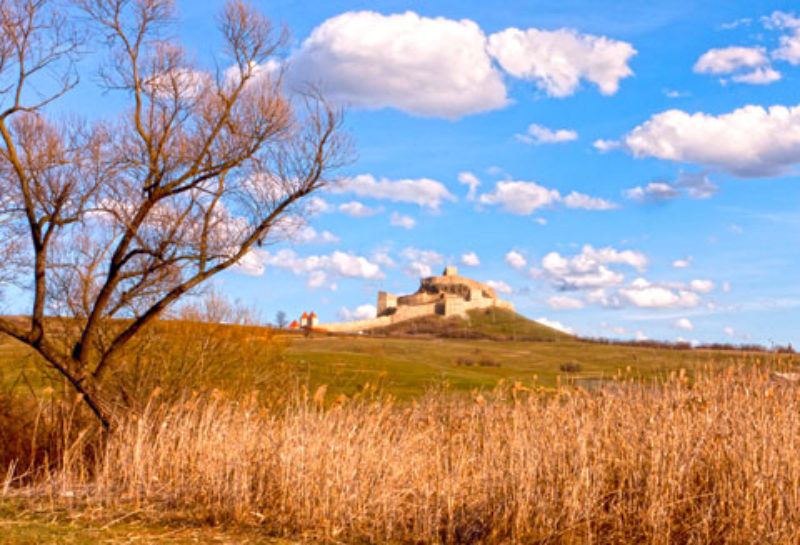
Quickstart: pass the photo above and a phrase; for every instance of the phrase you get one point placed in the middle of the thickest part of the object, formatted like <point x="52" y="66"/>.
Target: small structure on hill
<point x="306" y="321"/>
<point x="446" y="295"/>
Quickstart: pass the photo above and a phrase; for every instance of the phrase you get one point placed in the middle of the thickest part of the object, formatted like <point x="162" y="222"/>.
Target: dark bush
<point x="570" y="367"/>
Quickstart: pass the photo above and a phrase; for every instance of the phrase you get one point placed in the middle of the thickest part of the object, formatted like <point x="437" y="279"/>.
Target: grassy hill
<point x="410" y="358"/>
<point x="491" y="323"/>
<point x="408" y="366"/>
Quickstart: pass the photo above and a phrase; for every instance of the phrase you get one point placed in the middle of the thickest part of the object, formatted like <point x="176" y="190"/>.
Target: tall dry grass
<point x="712" y="461"/>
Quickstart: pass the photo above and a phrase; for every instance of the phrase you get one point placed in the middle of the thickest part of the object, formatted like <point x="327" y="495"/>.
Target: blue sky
<point x="705" y="247"/>
<point x="624" y="169"/>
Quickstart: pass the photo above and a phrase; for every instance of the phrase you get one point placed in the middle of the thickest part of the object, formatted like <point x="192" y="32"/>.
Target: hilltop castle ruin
<point x="446" y="295"/>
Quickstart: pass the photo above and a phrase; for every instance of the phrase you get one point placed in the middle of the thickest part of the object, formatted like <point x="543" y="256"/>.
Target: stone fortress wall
<point x="447" y="295"/>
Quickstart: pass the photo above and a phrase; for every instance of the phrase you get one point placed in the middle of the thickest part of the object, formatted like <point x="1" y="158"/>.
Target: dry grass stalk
<point x="715" y="461"/>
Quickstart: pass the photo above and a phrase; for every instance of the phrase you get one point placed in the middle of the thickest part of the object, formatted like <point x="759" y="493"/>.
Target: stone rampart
<point x="356" y="325"/>
<point x="447" y="295"/>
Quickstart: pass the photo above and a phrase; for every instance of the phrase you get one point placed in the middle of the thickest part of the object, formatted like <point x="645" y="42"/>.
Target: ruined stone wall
<point x="443" y="282"/>
<point x="415" y="311"/>
<point x="356" y="325"/>
<point x="456" y="307"/>
<point x="417" y="299"/>
<point x="459" y="307"/>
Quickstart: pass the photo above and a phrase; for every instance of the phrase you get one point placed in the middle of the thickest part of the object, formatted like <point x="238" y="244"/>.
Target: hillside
<point x="407" y="359"/>
<point x="492" y="324"/>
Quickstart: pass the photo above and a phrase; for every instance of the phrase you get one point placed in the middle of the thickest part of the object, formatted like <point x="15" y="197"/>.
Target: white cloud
<point x="747" y="64"/>
<point x="654" y="191"/>
<point x="399" y="220"/>
<point x="730" y="59"/>
<point x="471" y="181"/>
<point x="701" y="286"/>
<point x="682" y="263"/>
<point x="726" y="287"/>
<point x="520" y="198"/>
<point x="736" y="23"/>
<point x="524" y="198"/>
<point x="309" y="235"/>
<point x="684" y="323"/>
<point x="537" y="134"/>
<point x="555" y="325"/>
<point x="604" y="146"/>
<point x="356" y="209"/>
<point x="697" y="185"/>
<point x="673" y="93"/>
<point x="317" y="205"/>
<point x="470" y="259"/>
<point x="579" y="200"/>
<point x="423" y="192"/>
<point x="729" y="331"/>
<point x="515" y="259"/>
<point x="250" y="264"/>
<point x="433" y="67"/>
<point x="760" y="76"/>
<point x="296" y="230"/>
<point x="557" y="60"/>
<point x="564" y="302"/>
<point x="781" y="20"/>
<point x="361" y="312"/>
<point x="187" y="84"/>
<point x="420" y="263"/>
<point x="789" y="48"/>
<point x="381" y="257"/>
<point x="589" y="269"/>
<point x="540" y="221"/>
<point x="693" y="185"/>
<point x="259" y="73"/>
<point x="499" y="286"/>
<point x="319" y="279"/>
<point x="642" y="293"/>
<point x="749" y="142"/>
<point x="318" y="268"/>
<point x="603" y="297"/>
<point x="640" y="336"/>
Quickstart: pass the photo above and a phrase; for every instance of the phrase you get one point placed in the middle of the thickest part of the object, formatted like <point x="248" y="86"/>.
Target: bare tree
<point x="280" y="319"/>
<point x="115" y="220"/>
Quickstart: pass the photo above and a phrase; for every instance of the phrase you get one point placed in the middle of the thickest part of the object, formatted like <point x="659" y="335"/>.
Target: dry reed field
<point x="712" y="460"/>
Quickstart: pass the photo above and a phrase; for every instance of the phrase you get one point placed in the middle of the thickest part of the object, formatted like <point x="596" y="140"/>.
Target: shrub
<point x="488" y="362"/>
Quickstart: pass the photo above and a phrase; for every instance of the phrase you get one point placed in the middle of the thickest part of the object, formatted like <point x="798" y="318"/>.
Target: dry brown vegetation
<point x="714" y="460"/>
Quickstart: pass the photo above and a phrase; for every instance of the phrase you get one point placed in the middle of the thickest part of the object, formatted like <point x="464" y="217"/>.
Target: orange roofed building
<point x="306" y="320"/>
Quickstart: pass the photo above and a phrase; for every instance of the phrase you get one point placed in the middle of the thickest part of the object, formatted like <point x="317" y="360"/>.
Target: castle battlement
<point x="446" y="295"/>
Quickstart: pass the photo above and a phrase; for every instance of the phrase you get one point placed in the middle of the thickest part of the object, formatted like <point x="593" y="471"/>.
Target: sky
<point x="615" y="169"/>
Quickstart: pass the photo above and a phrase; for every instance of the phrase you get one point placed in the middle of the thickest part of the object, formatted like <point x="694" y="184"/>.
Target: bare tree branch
<point x="125" y="218"/>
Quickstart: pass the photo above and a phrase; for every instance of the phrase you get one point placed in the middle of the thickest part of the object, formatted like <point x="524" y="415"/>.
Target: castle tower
<point x="450" y="271"/>
<point x="313" y="320"/>
<point x="386" y="301"/>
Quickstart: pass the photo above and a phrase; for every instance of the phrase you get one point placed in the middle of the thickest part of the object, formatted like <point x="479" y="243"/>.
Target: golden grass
<point x="716" y="460"/>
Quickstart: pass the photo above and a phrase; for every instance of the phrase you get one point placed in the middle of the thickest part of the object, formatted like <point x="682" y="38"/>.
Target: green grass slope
<point x="426" y="354"/>
<point x="491" y="323"/>
<point x="408" y="366"/>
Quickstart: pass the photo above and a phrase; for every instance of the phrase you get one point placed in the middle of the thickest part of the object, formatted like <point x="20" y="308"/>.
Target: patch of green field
<point x="21" y="526"/>
<point x="20" y="367"/>
<point x="407" y="367"/>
